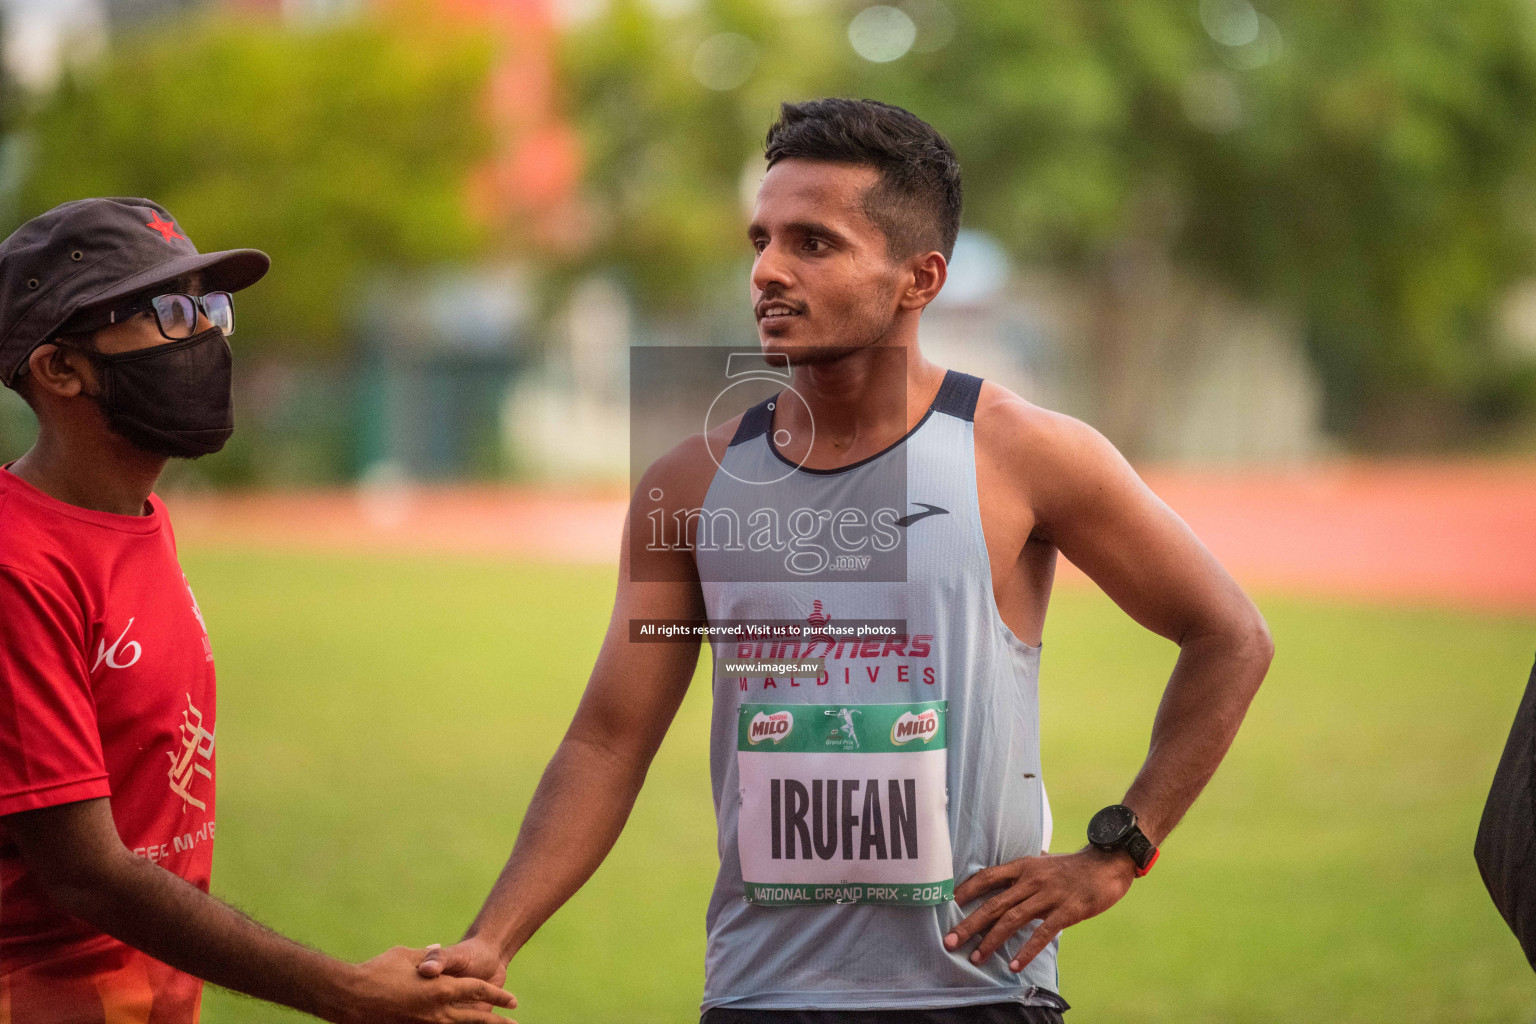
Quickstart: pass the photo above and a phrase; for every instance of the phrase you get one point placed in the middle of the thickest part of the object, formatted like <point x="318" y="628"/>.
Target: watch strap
<point x="1141" y="850"/>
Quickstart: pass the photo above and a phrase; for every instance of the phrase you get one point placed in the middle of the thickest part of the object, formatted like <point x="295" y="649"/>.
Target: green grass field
<point x="382" y="724"/>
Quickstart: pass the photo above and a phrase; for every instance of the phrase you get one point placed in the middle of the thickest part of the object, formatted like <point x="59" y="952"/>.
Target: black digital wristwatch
<point x="1114" y="828"/>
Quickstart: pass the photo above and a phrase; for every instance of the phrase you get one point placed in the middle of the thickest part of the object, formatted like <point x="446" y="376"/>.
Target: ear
<point x="58" y="371"/>
<point x="929" y="271"/>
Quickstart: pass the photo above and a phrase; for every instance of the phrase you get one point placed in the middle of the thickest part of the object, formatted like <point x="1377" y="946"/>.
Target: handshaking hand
<point x="472" y="958"/>
<point x="391" y="989"/>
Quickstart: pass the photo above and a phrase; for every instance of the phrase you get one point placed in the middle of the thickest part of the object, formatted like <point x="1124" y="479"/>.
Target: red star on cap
<point x="167" y="228"/>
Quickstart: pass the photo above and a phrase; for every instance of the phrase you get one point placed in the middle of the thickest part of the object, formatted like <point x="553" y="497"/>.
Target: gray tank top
<point x="954" y="653"/>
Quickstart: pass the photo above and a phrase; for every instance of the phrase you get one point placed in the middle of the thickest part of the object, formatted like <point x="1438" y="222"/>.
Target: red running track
<point x="1444" y="534"/>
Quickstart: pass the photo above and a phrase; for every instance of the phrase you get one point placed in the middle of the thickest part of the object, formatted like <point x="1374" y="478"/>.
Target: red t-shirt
<point x="106" y="690"/>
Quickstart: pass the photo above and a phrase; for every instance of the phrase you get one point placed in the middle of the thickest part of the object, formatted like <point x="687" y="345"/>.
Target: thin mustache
<point x="798" y="307"/>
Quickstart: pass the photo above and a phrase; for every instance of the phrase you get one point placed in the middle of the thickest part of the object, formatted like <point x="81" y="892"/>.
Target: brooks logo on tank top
<point x="853" y="792"/>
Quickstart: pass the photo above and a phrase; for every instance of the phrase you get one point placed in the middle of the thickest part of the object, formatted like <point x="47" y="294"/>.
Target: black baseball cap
<point x="91" y="253"/>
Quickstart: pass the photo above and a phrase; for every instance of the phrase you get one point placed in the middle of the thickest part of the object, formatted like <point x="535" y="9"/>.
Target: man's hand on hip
<point x="1058" y="890"/>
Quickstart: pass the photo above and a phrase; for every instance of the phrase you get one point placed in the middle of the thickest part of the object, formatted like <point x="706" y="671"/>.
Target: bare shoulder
<point x="673" y="490"/>
<point x="1036" y="446"/>
<point x="1079" y="494"/>
<point x="683" y="474"/>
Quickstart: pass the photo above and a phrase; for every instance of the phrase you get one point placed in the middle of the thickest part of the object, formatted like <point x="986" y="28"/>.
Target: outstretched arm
<point x="1089" y="502"/>
<point x="589" y="788"/>
<point x="75" y="853"/>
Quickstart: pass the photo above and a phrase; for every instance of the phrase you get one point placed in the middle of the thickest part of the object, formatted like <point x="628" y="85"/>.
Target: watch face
<point x="1109" y="826"/>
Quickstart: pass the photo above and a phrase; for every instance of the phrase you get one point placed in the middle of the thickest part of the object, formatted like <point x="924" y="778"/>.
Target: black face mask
<point x="174" y="399"/>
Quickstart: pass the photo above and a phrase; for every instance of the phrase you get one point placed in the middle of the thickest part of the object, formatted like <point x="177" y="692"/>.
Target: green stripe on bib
<point x="850" y="728"/>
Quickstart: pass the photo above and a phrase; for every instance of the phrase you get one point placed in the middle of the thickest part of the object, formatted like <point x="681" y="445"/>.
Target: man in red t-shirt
<point x="112" y="327"/>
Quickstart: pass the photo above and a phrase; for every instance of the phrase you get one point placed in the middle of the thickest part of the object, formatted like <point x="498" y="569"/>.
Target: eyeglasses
<point x="176" y="313"/>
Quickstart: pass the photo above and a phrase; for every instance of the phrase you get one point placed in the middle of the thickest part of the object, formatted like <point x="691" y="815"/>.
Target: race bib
<point x="844" y="804"/>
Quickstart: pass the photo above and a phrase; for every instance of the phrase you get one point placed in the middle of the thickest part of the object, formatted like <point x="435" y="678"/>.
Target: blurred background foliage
<point x="339" y="151"/>
<point x="1362" y="170"/>
<point x="1368" y="169"/>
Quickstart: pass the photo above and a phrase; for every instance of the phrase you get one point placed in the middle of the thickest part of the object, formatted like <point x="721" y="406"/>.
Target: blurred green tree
<point x="340" y="149"/>
<point x="18" y="427"/>
<point x="1363" y="167"/>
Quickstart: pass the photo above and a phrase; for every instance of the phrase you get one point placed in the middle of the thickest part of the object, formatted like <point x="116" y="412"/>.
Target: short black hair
<point x="917" y="200"/>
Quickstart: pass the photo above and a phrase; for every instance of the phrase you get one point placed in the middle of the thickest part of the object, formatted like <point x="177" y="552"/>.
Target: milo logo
<point x="911" y="727"/>
<point x="769" y="727"/>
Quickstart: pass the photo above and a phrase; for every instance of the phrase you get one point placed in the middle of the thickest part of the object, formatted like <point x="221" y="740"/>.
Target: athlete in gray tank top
<point x="871" y="550"/>
<point x="952" y="653"/>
